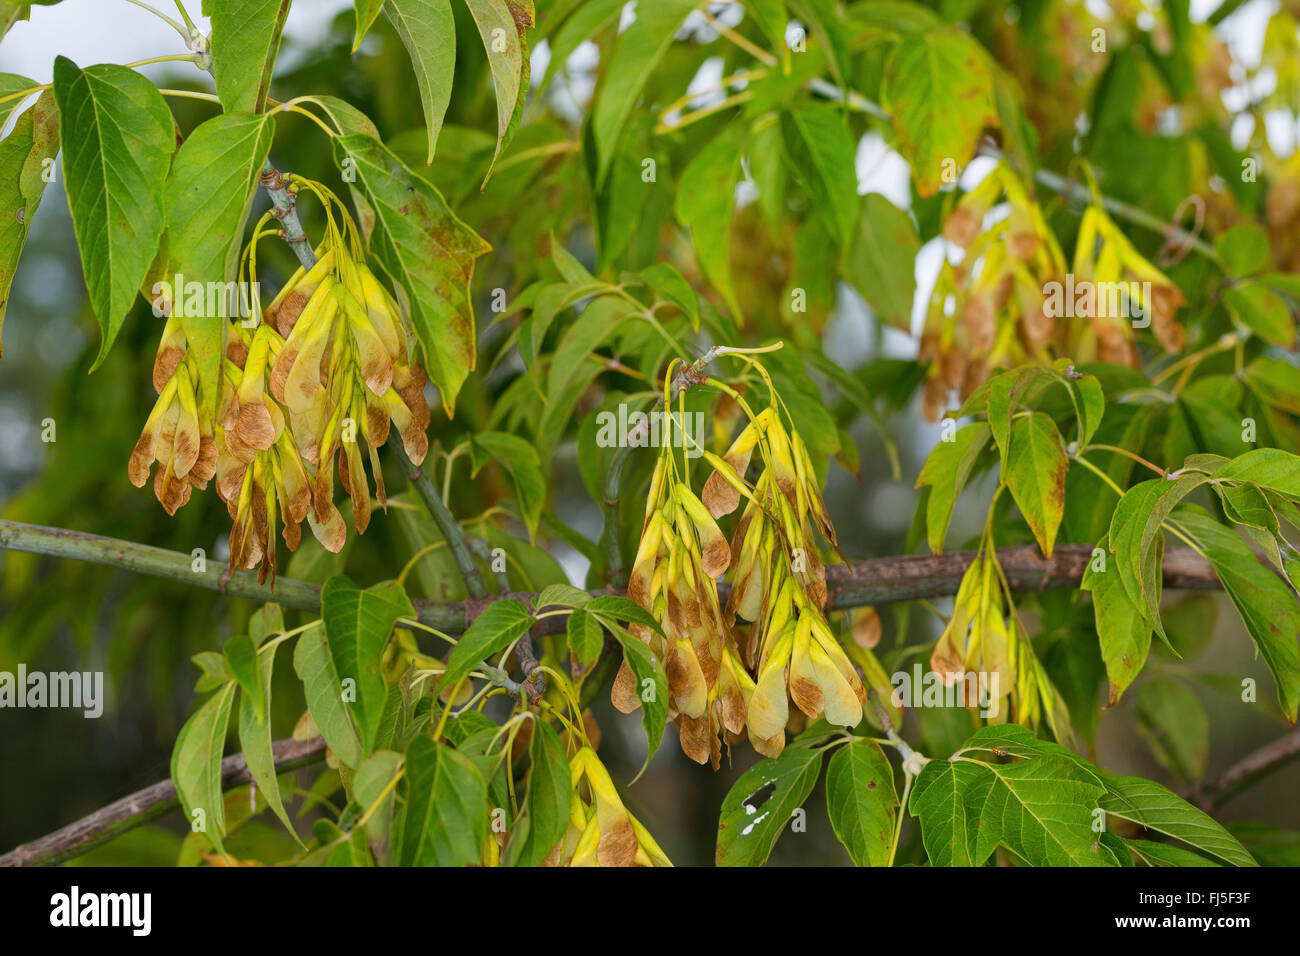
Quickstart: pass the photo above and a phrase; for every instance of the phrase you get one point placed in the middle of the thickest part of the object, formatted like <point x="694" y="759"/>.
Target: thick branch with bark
<point x="860" y="583"/>
<point x="112" y="821"/>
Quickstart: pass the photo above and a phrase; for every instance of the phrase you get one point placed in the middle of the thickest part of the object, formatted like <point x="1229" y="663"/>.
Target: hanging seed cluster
<point x="601" y="830"/>
<point x="1009" y="300"/>
<point x="327" y="371"/>
<point x="734" y="670"/>
<point x="984" y="636"/>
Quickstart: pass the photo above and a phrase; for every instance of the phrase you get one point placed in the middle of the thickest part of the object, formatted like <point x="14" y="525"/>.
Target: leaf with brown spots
<point x="1036" y="466"/>
<point x="427" y="251"/>
<point x="862" y="802"/>
<point x="939" y="89"/>
<point x="503" y="25"/>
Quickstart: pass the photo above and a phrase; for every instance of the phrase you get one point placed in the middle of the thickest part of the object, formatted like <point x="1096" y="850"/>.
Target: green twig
<point x="451" y="530"/>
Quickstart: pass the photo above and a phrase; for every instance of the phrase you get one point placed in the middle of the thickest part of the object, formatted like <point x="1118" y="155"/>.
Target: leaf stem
<point x="868" y="582"/>
<point x="902" y="812"/>
<point x="185" y="35"/>
<point x="1100" y="474"/>
<point x="1126" y="453"/>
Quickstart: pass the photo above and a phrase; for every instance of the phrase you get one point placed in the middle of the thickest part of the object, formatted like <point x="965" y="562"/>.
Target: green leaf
<point x="571" y="370"/>
<point x="758" y="807"/>
<point x="523" y="466"/>
<point x="1262" y="311"/>
<point x="1269" y="845"/>
<point x="938" y="802"/>
<point x="706" y="201"/>
<point x="545" y="817"/>
<point x="639" y="49"/>
<point x="1166" y="854"/>
<point x="946" y="471"/>
<point x="503" y="24"/>
<point x="939" y="90"/>
<point x="315" y="668"/>
<point x="1267" y="606"/>
<point x="11" y="83"/>
<point x="997" y="404"/>
<point x="1269" y="468"/>
<point x="586" y="637"/>
<point x="862" y="802"/>
<point x="1122" y="629"/>
<point x="366" y="13"/>
<point x="1244" y="249"/>
<point x="215" y="671"/>
<point x="670" y="286"/>
<point x="1003" y="740"/>
<point x="1040" y="810"/>
<point x="1246" y="504"/>
<point x="357" y="626"/>
<point x="209" y="192"/>
<point x="245" y="41"/>
<point x="444" y="822"/>
<point x="1276" y="381"/>
<point x="880" y="260"/>
<point x="196" y="763"/>
<point x="493" y="631"/>
<point x="373" y="790"/>
<point x="1152" y="806"/>
<point x="822" y="152"/>
<point x="267" y="621"/>
<point x="117" y="137"/>
<point x="241" y="658"/>
<point x="10" y="15"/>
<point x="828" y="26"/>
<point x="1174" y="725"/>
<point x="427" y="251"/>
<point x="561" y="595"/>
<point x="772" y="19"/>
<point x="612" y="608"/>
<point x="427" y="29"/>
<point x="651" y="683"/>
<point x="591" y="18"/>
<point x="255" y="738"/>
<point x="33" y="140"/>
<point x="1036" y="466"/>
<point x="1135" y="537"/>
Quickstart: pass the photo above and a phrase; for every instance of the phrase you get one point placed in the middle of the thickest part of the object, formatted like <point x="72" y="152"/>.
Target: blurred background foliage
<point x="54" y="615"/>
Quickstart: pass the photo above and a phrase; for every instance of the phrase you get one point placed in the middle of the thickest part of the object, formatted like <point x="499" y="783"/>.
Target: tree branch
<point x="284" y="207"/>
<point x="860" y="583"/>
<point x="1249" y="770"/>
<point x="112" y="821"/>
<point x="873" y="581"/>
